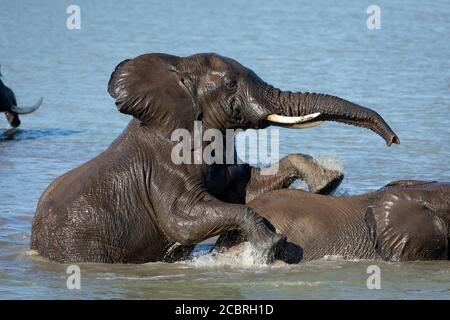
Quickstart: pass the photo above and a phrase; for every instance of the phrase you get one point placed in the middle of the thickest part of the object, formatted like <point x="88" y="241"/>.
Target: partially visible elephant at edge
<point x="8" y="105"/>
<point x="405" y="220"/>
<point x="132" y="204"/>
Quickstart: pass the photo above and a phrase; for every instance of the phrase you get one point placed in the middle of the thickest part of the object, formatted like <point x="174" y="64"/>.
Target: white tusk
<point x="26" y="110"/>
<point x="305" y="125"/>
<point x="292" y="120"/>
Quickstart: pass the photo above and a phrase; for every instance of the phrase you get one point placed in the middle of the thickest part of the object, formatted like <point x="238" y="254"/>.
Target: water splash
<point x="31" y="253"/>
<point x="243" y="255"/>
<point x="330" y="162"/>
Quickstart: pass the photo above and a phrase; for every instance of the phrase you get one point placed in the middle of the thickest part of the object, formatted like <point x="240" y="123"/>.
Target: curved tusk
<point x="305" y="125"/>
<point x="26" y="110"/>
<point x="292" y="120"/>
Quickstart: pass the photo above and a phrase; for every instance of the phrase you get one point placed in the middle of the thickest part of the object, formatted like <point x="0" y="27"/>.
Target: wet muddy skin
<point x="401" y="71"/>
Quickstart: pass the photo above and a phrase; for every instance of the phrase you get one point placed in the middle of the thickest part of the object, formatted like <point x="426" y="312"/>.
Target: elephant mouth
<point x="301" y="122"/>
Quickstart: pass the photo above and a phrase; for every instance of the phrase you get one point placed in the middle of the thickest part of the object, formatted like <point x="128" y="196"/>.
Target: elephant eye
<point x="231" y="84"/>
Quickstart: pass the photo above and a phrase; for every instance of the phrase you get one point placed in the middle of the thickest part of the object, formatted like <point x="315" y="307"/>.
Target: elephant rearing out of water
<point x="132" y="204"/>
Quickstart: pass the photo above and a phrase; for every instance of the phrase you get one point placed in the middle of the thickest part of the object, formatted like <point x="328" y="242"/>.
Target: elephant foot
<point x="285" y="251"/>
<point x="291" y="253"/>
<point x="326" y="183"/>
<point x="268" y="244"/>
<point x="274" y="247"/>
<point x="317" y="177"/>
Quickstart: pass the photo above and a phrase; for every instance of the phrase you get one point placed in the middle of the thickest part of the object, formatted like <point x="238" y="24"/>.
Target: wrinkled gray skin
<point x="132" y="204"/>
<point x="405" y="220"/>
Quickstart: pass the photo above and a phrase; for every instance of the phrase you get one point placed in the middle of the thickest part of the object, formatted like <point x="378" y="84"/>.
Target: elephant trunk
<point x="303" y="110"/>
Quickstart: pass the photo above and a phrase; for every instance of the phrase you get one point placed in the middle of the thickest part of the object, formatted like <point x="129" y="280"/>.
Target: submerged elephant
<point x="405" y="220"/>
<point x="132" y="204"/>
<point x="8" y="105"/>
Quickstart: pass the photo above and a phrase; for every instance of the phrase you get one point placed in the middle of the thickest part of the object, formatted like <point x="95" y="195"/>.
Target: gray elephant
<point x="405" y="220"/>
<point x="8" y="105"/>
<point x="132" y="204"/>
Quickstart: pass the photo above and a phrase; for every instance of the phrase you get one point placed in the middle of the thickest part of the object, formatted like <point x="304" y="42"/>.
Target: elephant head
<point x="170" y="92"/>
<point x="8" y="104"/>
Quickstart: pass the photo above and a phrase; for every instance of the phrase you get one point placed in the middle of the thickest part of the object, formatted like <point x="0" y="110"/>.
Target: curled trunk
<point x="331" y="108"/>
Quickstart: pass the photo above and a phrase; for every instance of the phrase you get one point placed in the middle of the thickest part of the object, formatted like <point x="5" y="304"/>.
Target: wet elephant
<point x="405" y="220"/>
<point x="133" y="204"/>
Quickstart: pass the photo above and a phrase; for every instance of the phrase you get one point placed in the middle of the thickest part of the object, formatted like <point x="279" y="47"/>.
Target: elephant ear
<point x="405" y="228"/>
<point x="152" y="89"/>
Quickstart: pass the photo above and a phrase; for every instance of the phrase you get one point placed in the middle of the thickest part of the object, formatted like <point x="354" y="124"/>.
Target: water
<point x="402" y="71"/>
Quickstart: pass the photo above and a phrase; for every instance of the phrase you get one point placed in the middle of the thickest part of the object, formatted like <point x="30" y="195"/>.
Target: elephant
<point x="8" y="104"/>
<point x="403" y="221"/>
<point x="133" y="204"/>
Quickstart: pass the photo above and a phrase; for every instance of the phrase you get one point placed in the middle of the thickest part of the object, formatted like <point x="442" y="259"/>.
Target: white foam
<point x="333" y="257"/>
<point x="243" y="255"/>
<point x="338" y="258"/>
<point x="330" y="162"/>
<point x="31" y="253"/>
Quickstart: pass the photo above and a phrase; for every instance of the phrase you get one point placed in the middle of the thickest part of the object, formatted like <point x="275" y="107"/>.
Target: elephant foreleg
<point x="192" y="223"/>
<point x="318" y="178"/>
